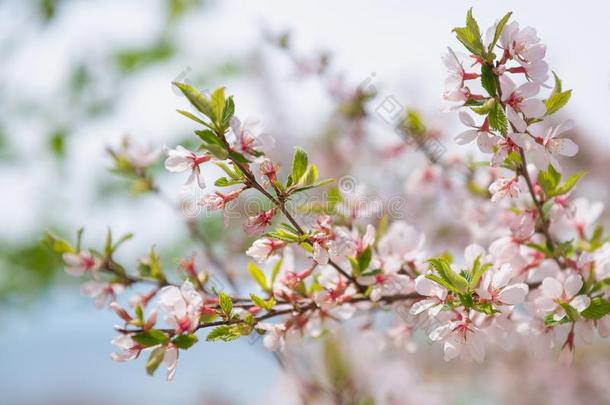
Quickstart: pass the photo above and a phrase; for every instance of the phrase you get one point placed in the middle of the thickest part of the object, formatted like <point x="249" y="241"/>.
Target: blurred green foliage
<point x="25" y="270"/>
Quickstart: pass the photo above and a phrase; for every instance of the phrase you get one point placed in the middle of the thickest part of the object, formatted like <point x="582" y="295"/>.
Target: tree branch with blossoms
<point x="532" y="282"/>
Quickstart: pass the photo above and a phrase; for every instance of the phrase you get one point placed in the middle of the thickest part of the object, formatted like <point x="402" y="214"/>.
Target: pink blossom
<point x="520" y="100"/>
<point x="264" y="248"/>
<point x="250" y="139"/>
<point x="182" y="306"/>
<point x="504" y="187"/>
<point x="546" y="150"/>
<point x="181" y="159"/>
<point x="495" y="287"/>
<point x="554" y="291"/>
<point x="103" y="292"/>
<point x="78" y="264"/>
<point x="485" y="139"/>
<point x="257" y="223"/>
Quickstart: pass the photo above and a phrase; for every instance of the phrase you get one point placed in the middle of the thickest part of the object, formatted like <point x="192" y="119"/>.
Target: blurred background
<point x="77" y="77"/>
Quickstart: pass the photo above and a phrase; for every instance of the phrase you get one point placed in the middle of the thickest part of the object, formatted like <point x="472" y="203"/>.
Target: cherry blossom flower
<point x="522" y="44"/>
<point x="495" y="287"/>
<point x="257" y="223"/>
<point x="330" y="243"/>
<point x="434" y="291"/>
<point x="546" y="150"/>
<point x="400" y="245"/>
<point x="269" y="170"/>
<point x="250" y="139"/>
<point x="140" y="156"/>
<point x="181" y="159"/>
<point x="386" y="284"/>
<point x="537" y="72"/>
<point x="454" y="84"/>
<point x="78" y="264"/>
<point x="485" y="139"/>
<point x="103" y="292"/>
<point x="519" y="100"/>
<point x="554" y="292"/>
<point x="129" y="349"/>
<point x="584" y="215"/>
<point x="461" y="338"/>
<point x="262" y="249"/>
<point x="217" y="201"/>
<point x="504" y="187"/>
<point x="182" y="306"/>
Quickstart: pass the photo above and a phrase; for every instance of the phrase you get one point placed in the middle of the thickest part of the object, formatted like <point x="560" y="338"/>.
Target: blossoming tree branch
<point x="531" y="281"/>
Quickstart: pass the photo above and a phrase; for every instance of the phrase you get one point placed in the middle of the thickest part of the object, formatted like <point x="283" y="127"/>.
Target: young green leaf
<point x="299" y="164"/>
<point x="499" y="28"/>
<point x="226" y="304"/>
<point x="185" y="341"/>
<point x="456" y="281"/>
<point x="567" y="185"/>
<point x="497" y="119"/>
<point x="556" y="101"/>
<point x="154" y="360"/>
<point x="198" y="100"/>
<point x="488" y="80"/>
<point x="150" y="338"/>
<point x="258" y="276"/>
<point x="218" y="104"/>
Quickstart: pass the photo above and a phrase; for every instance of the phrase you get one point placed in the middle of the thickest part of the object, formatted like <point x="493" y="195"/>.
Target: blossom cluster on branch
<point x="544" y="277"/>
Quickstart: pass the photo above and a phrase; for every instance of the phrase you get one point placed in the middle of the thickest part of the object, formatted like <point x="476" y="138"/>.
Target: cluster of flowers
<point x="544" y="277"/>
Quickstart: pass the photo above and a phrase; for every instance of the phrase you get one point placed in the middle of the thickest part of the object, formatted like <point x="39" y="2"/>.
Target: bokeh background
<point x="77" y="76"/>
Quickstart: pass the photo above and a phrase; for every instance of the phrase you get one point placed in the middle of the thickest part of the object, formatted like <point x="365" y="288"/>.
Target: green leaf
<point x="364" y="258"/>
<point x="470" y="35"/>
<point x="198" y="100"/>
<point x="549" y="179"/>
<point x="310" y="177"/>
<point x="192" y="116"/>
<point x="275" y="271"/>
<point x="154" y="360"/>
<point x="599" y="308"/>
<point x="225" y="182"/>
<point x="457" y="282"/>
<point x="226" y="304"/>
<point x="226" y="333"/>
<point x="299" y="164"/>
<point x="478" y="270"/>
<point x="488" y="80"/>
<point x="472" y="24"/>
<point x="258" y="276"/>
<point x="228" y="112"/>
<point x="150" y="338"/>
<point x="261" y="303"/>
<point x="238" y="157"/>
<point x="209" y="137"/>
<point x="185" y="341"/>
<point x="218" y="104"/>
<point x="497" y="119"/>
<point x="57" y="245"/>
<point x="499" y="29"/>
<point x="568" y="185"/>
<point x="439" y="281"/>
<point x="556" y="101"/>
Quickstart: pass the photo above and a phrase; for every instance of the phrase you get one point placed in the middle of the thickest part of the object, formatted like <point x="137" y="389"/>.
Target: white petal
<point x="551" y="287"/>
<point x="533" y="108"/>
<point x="422" y="305"/>
<point x="515" y="119"/>
<point x="466" y="119"/>
<point x="580" y="302"/>
<point x="466" y="137"/>
<point x="572" y="285"/>
<point x="513" y="294"/>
